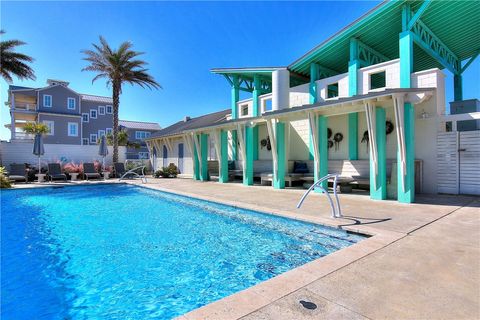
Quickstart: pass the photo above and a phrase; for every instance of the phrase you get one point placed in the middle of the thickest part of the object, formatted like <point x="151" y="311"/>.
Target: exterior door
<point x="180" y="157"/>
<point x="469" y="158"/>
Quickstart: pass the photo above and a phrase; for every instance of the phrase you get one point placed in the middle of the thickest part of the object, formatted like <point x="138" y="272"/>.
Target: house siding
<point x="60" y="135"/>
<point x="93" y="125"/>
<point x="60" y="95"/>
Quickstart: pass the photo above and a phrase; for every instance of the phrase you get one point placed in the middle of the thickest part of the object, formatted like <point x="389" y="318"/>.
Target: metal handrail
<point x="132" y="171"/>
<point x="336" y="212"/>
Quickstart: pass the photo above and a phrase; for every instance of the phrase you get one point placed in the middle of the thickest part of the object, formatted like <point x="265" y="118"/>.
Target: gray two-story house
<point x="72" y="117"/>
<point x="137" y="132"/>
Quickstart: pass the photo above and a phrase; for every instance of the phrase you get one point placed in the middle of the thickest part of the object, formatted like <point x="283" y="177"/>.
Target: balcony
<point x="25" y="106"/>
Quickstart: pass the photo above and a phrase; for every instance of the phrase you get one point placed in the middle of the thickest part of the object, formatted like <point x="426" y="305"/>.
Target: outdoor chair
<point x="90" y="172"/>
<point x="119" y="168"/>
<point x="55" y="172"/>
<point x="18" y="172"/>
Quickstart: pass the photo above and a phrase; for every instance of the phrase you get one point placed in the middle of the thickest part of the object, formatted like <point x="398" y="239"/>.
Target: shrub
<point x="167" y="172"/>
<point x="4" y="182"/>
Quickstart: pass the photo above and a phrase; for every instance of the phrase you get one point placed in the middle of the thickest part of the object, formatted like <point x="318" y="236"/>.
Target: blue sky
<point x="182" y="41"/>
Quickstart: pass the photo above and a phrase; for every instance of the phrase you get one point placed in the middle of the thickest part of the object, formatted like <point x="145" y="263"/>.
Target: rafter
<point x="365" y="54"/>
<point x="417" y="14"/>
<point x="469" y="62"/>
<point x="323" y="72"/>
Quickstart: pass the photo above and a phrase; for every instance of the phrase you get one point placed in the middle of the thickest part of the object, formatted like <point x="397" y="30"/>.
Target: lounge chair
<point x="18" y="172"/>
<point x="55" y="172"/>
<point x="90" y="172"/>
<point x="119" y="168"/>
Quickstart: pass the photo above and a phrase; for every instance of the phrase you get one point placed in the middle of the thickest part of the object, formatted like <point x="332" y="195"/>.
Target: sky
<point x="182" y="41"/>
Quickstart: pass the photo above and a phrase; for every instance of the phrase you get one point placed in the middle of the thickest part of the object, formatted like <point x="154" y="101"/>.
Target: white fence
<point x="458" y="156"/>
<point x="21" y="152"/>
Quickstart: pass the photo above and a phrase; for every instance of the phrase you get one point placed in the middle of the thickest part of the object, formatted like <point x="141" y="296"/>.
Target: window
<point x="73" y="129"/>
<point x="332" y="90"/>
<point x="109" y="131"/>
<point x="244" y="110"/>
<point x="143" y="155"/>
<point x="47" y="101"/>
<point x="140" y="135"/>
<point x="109" y="109"/>
<point x="267" y="105"/>
<point x="101" y="110"/>
<point x="101" y="133"/>
<point x="85" y="141"/>
<point x="377" y="80"/>
<point x="93" y="138"/>
<point x="51" y="127"/>
<point x="93" y="113"/>
<point x="71" y="103"/>
<point x="85" y="117"/>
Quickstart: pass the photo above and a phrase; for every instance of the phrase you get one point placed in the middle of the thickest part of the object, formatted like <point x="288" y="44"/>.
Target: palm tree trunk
<point x="116" y="102"/>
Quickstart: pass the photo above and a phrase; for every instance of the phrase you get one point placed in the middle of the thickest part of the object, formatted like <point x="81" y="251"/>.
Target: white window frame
<point x="88" y="117"/>
<point x="141" y="135"/>
<point x="109" y="107"/>
<point x="51" y="101"/>
<point x="100" y="133"/>
<point x="85" y="140"/>
<point x="108" y="131"/>
<point x="51" y="126"/>
<point x="100" y="112"/>
<point x="144" y="153"/>
<point x="93" y="135"/>
<point x="70" y="134"/>
<point x="74" y="103"/>
<point x="96" y="114"/>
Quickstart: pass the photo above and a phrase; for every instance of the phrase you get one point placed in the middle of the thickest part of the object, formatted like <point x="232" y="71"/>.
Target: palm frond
<point x="13" y="63"/>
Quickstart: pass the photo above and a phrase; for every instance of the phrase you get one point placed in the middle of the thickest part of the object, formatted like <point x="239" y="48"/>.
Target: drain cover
<point x="308" y="305"/>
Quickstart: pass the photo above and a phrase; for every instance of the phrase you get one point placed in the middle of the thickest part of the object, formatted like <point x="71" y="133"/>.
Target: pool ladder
<point x="132" y="172"/>
<point x="336" y="211"/>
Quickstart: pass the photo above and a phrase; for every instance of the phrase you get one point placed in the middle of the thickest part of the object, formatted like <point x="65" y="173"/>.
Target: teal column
<point x="235" y="98"/>
<point x="223" y="174"/>
<point x="353" y="67"/>
<point x="323" y="151"/>
<point x="406" y="68"/>
<point x="353" y="136"/>
<point x="204" y="156"/>
<point x="378" y="190"/>
<point x="248" y="162"/>
<point x="279" y="176"/>
<point x="256" y="112"/>
<point x="457" y="87"/>
<point x="313" y="98"/>
<point x="196" y="166"/>
<point x="408" y="196"/>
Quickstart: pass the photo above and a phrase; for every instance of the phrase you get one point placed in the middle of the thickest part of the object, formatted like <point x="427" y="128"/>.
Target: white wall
<point x="21" y="152"/>
<point x="392" y="75"/>
<point x="172" y="156"/>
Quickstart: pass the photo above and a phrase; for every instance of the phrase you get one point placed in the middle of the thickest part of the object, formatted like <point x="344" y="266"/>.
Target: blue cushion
<point x="300" y="167"/>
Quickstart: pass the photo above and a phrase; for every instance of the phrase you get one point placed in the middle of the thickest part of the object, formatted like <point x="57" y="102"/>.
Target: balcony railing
<point x="20" y="135"/>
<point x="25" y="106"/>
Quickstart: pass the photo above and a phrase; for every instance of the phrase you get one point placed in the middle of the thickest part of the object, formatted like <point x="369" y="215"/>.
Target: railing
<point x="336" y="211"/>
<point x="25" y="106"/>
<point x="132" y="172"/>
<point x="23" y="136"/>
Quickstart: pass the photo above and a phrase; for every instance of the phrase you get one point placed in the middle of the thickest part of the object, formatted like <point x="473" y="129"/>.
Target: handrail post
<point x="336" y="211"/>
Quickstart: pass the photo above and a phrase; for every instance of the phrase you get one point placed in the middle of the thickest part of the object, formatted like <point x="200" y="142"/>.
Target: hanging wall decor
<point x="330" y="144"/>
<point x="269" y="146"/>
<point x="337" y="138"/>
<point x="389" y="127"/>
<point x="329" y="133"/>
<point x="365" y="138"/>
<point x="263" y="143"/>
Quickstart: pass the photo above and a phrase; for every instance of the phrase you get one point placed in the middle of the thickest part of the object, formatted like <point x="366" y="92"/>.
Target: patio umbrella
<point x="38" y="148"/>
<point x="103" y="150"/>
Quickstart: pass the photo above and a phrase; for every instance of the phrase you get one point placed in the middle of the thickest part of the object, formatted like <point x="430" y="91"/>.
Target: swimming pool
<point x="121" y="251"/>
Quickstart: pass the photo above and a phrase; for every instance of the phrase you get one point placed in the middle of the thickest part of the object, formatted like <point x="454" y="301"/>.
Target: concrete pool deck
<point x="422" y="262"/>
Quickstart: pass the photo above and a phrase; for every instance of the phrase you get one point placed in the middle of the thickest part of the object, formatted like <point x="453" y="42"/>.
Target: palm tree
<point x="14" y="63"/>
<point x="118" y="66"/>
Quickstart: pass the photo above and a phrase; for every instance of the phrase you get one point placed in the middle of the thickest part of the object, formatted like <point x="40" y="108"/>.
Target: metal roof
<point x="193" y="123"/>
<point x="265" y="73"/>
<point x="456" y="23"/>
<point x="139" y="125"/>
<point x="88" y="97"/>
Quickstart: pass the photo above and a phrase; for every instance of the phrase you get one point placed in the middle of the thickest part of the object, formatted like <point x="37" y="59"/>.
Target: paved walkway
<point x="432" y="271"/>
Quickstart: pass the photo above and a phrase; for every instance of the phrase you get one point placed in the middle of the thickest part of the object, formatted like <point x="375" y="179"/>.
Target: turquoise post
<point x="353" y="67"/>
<point x="353" y="136"/>
<point x="279" y="176"/>
<point x="234" y="107"/>
<point x="248" y="162"/>
<point x="255" y="113"/>
<point x="323" y="151"/>
<point x="223" y="174"/>
<point x="457" y="87"/>
<point x="378" y="191"/>
<point x="406" y="67"/>
<point x="204" y="156"/>
<point x="196" y="167"/>
<point x="313" y="98"/>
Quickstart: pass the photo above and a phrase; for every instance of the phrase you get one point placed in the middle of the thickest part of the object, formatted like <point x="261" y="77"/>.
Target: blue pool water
<point x="126" y="252"/>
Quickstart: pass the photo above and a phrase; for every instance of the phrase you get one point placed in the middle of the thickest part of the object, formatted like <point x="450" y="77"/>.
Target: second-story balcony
<point x="25" y="106"/>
